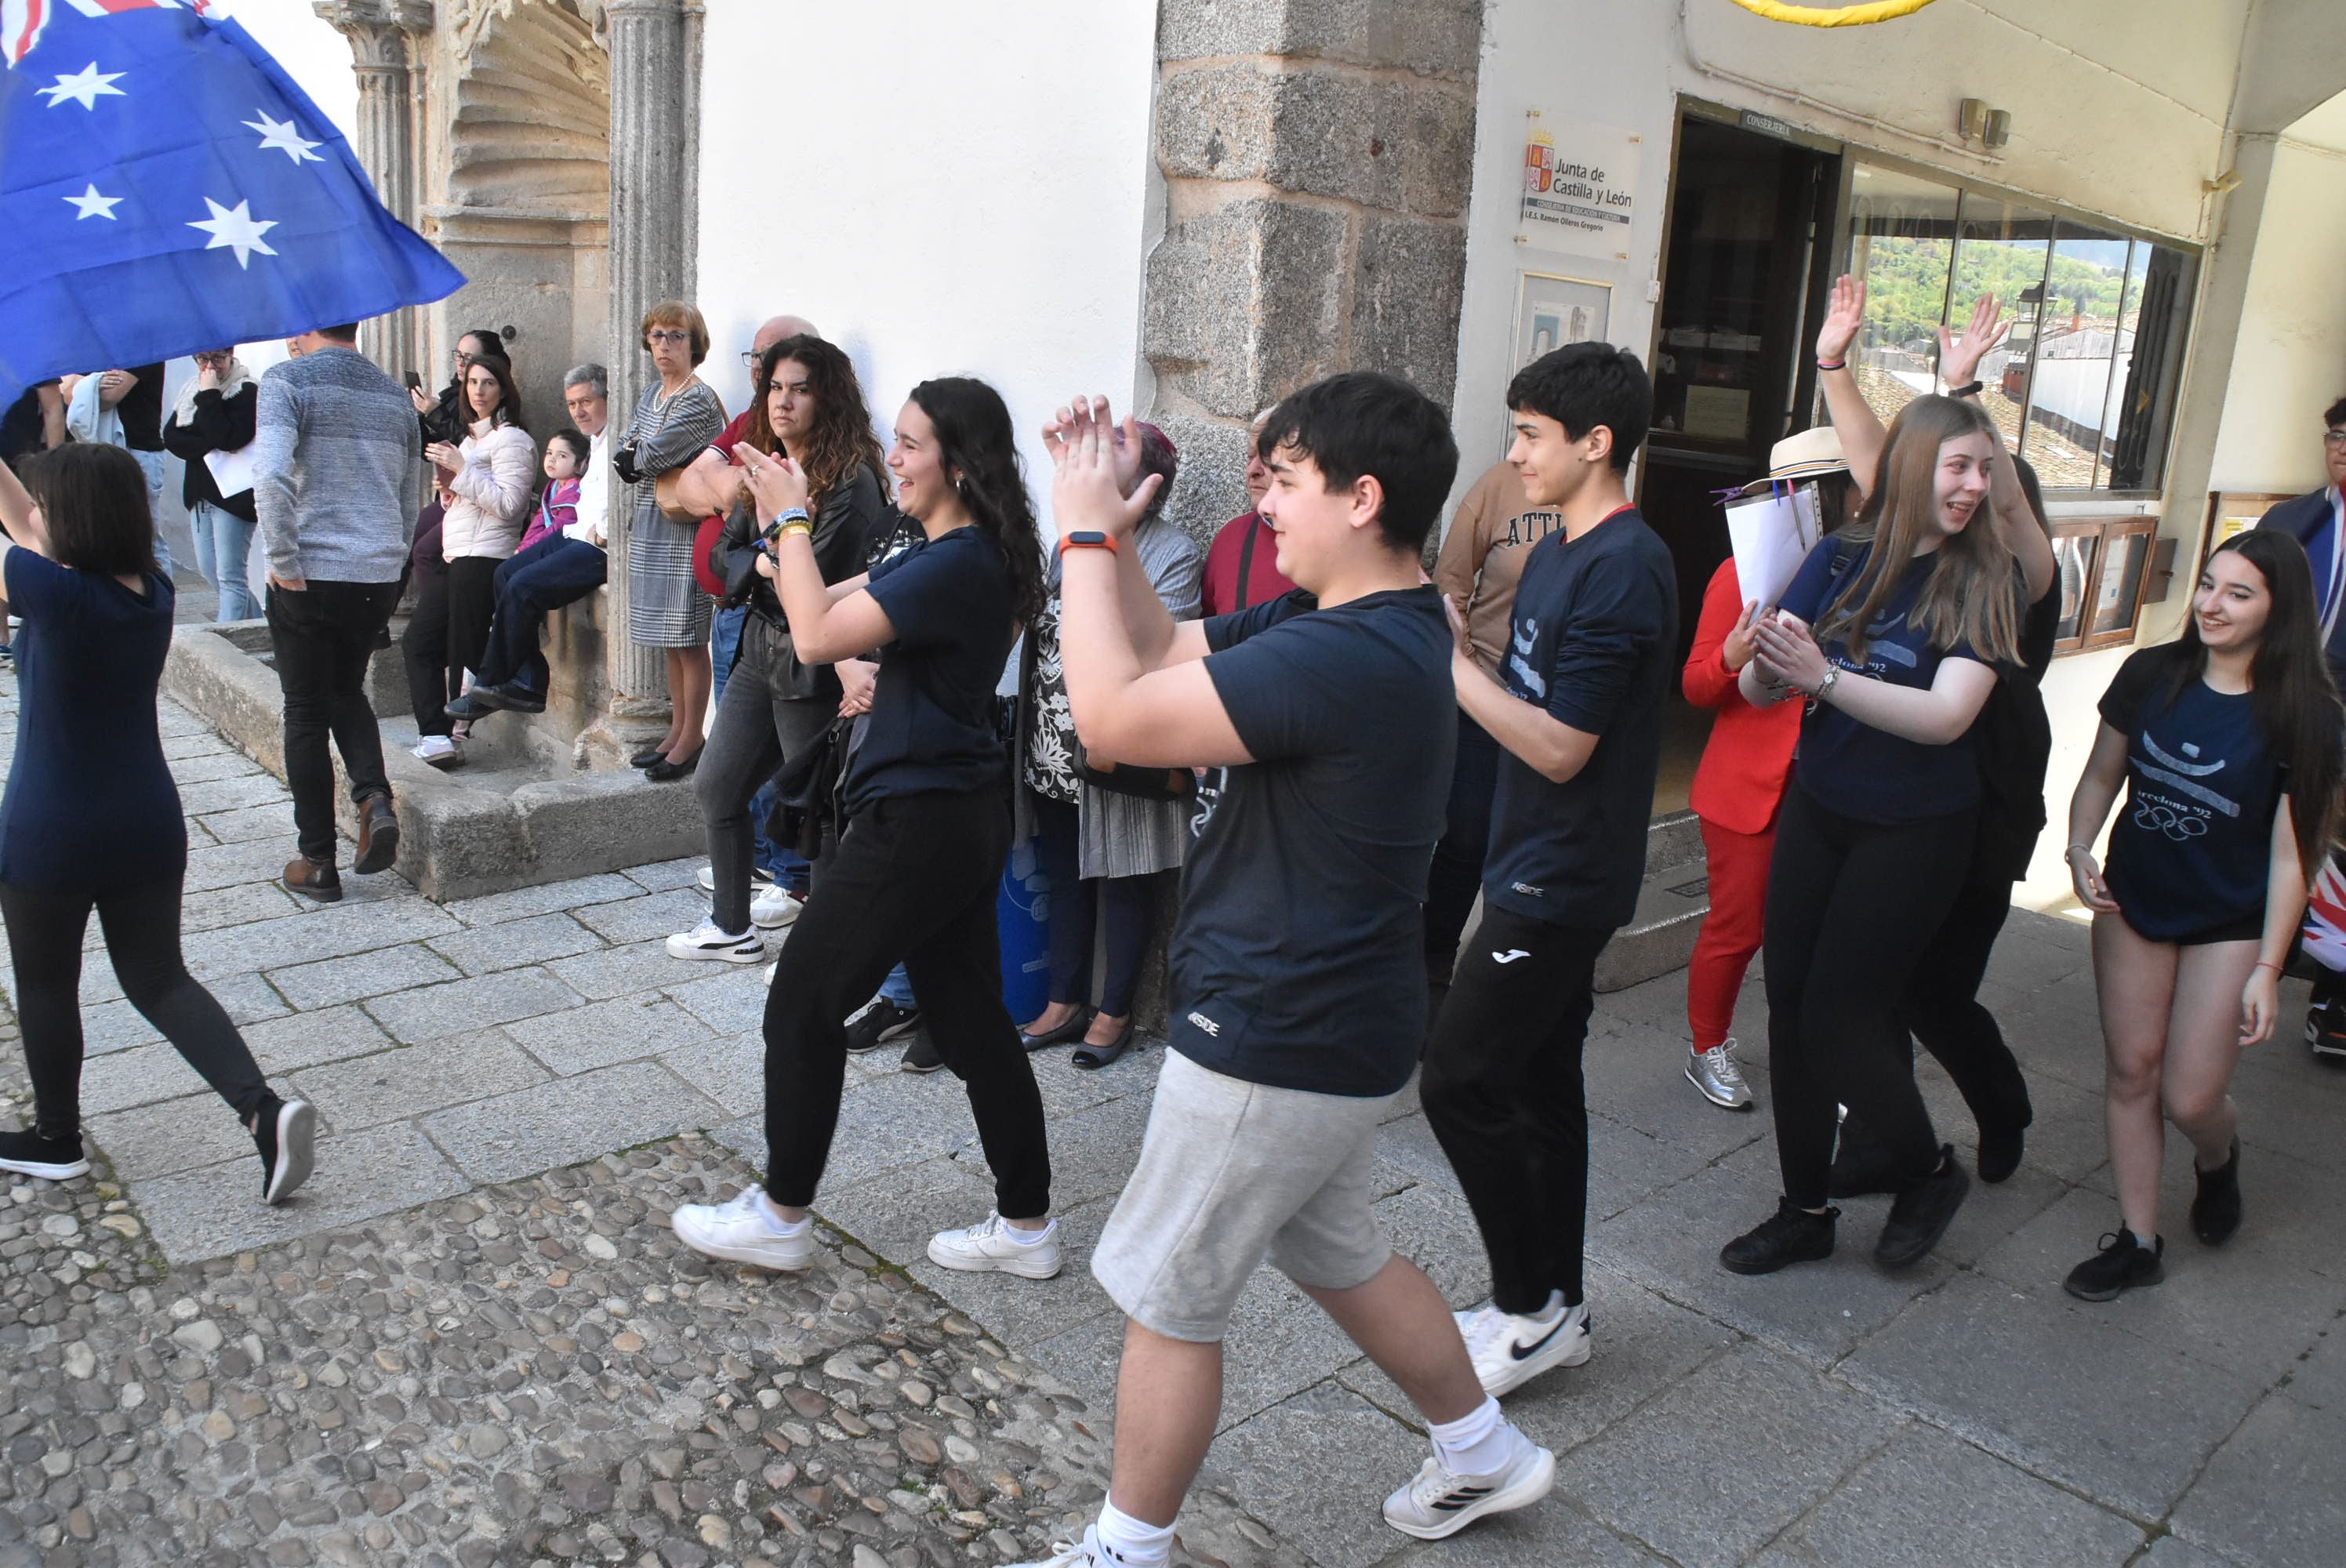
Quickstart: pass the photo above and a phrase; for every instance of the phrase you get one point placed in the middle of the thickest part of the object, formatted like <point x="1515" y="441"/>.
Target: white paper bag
<point x="1773" y="534"/>
<point x="232" y="472"/>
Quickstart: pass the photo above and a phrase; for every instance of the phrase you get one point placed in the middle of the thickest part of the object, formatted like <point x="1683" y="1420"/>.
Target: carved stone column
<point x="655" y="209"/>
<point x="387" y="58"/>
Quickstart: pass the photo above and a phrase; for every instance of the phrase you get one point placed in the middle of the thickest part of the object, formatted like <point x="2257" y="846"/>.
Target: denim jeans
<point x="555" y="571"/>
<point x="787" y="868"/>
<point x="223" y="541"/>
<point x="156" y="468"/>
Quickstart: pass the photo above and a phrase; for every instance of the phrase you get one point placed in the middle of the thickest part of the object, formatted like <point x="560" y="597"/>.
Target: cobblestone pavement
<point x="472" y="1340"/>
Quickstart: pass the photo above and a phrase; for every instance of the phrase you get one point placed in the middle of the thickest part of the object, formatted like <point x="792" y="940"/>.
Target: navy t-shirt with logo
<point x="1592" y="641"/>
<point x="1849" y="767"/>
<point x="931" y="719"/>
<point x="2192" y="844"/>
<point x="1299" y="960"/>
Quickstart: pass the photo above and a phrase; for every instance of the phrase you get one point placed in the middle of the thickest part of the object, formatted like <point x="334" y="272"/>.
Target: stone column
<point x="387" y="61"/>
<point x="1316" y="159"/>
<point x="655" y="209"/>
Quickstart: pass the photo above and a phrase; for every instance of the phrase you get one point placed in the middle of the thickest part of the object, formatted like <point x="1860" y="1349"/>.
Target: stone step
<point x="1660" y="936"/>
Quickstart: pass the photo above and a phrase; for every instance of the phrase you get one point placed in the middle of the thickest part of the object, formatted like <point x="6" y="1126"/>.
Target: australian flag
<point x="166" y="188"/>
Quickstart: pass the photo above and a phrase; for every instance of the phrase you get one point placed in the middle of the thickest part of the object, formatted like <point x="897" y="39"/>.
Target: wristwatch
<point x="1086" y="539"/>
<point x="1831" y="679"/>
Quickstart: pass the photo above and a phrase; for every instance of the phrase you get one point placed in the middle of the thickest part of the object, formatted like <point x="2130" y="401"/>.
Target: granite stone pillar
<point x="387" y="49"/>
<point x="655" y="50"/>
<point x="1317" y="156"/>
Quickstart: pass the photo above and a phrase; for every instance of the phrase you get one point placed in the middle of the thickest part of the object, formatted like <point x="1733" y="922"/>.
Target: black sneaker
<point x="30" y="1154"/>
<point x="2118" y="1264"/>
<point x="921" y="1055"/>
<point x="2325" y="1033"/>
<point x="1860" y="1165"/>
<point x="1921" y="1214"/>
<point x="285" y="1133"/>
<point x="1791" y="1235"/>
<point x="2000" y="1152"/>
<point x="879" y="1023"/>
<point x="2216" y="1207"/>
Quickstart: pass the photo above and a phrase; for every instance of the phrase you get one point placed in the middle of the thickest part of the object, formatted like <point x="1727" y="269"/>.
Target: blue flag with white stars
<point x="166" y="188"/>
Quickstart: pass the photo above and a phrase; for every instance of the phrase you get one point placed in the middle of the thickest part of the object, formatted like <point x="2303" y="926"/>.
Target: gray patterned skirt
<point x="665" y="606"/>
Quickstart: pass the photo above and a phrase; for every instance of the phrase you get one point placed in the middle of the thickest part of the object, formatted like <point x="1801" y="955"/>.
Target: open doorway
<point x="1746" y="266"/>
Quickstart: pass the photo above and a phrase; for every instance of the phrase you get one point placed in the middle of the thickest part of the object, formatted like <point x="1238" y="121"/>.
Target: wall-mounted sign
<point x="1580" y="187"/>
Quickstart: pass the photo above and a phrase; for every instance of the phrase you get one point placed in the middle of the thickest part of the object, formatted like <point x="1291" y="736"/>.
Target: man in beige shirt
<point x="1482" y="560"/>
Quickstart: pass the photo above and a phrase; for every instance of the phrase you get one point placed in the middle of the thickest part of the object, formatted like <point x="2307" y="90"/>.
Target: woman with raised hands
<point x="1912" y="609"/>
<point x="91" y="819"/>
<point x="918" y="868"/>
<point x="2226" y="743"/>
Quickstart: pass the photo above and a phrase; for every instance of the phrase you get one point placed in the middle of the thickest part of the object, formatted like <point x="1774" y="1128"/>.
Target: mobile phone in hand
<point x="414" y="382"/>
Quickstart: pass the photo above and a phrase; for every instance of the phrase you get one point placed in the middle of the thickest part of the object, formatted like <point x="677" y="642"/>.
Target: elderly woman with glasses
<point x="677" y="417"/>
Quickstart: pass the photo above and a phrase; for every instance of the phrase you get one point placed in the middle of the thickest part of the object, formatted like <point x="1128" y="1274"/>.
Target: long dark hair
<point x="2291" y="691"/>
<point x="93" y="497"/>
<point x="974" y="436"/>
<point x="841" y="443"/>
<point x="1969" y="595"/>
<point x="508" y="409"/>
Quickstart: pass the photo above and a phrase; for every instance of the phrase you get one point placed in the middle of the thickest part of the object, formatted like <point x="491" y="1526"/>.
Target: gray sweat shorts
<point x="1228" y="1172"/>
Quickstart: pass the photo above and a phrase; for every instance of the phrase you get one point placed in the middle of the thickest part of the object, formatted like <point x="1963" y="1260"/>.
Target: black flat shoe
<point x="1072" y="1029"/>
<point x="465" y="710"/>
<point x="1999" y="1154"/>
<point x="648" y="759"/>
<point x="660" y="772"/>
<point x="2216" y="1207"/>
<point x="1093" y="1057"/>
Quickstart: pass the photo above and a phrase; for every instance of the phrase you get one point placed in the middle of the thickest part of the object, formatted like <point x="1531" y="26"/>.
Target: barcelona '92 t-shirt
<point x="2192" y="845"/>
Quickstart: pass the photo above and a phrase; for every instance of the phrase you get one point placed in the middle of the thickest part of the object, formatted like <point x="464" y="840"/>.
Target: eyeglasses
<point x="2335" y="437"/>
<point x="657" y="335"/>
<point x="749" y="357"/>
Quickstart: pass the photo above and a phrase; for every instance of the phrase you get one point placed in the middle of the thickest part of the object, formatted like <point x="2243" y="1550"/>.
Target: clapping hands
<point x="1098" y="483"/>
<point x="1785" y="652"/>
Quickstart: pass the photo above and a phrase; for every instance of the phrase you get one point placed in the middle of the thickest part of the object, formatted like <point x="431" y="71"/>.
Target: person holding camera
<point x="810" y="409"/>
<point x="676" y="418"/>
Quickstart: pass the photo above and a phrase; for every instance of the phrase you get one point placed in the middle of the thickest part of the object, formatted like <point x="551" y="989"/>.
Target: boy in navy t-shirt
<point x="1576" y="708"/>
<point x="1324" y="720"/>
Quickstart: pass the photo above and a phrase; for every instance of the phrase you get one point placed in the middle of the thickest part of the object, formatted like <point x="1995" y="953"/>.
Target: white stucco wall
<point x="317" y="57"/>
<point x="2289" y="362"/>
<point x="963" y="196"/>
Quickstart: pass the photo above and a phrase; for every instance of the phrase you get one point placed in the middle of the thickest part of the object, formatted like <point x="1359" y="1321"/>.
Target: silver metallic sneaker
<point x="1714" y="1073"/>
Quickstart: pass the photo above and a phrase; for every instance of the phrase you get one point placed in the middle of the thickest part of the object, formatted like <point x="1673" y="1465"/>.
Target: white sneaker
<point x="1437" y="1504"/>
<point x="1509" y="1351"/>
<point x="992" y="1247"/>
<point x="774" y="908"/>
<point x="1084" y="1553"/>
<point x="760" y="878"/>
<point x="706" y="941"/>
<point x="439" y="750"/>
<point x="1714" y="1073"/>
<point x="743" y="1231"/>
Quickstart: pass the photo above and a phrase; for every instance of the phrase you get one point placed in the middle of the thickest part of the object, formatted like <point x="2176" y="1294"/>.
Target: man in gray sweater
<point x="337" y="485"/>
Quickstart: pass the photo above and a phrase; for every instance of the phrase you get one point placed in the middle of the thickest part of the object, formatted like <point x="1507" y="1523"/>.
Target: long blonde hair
<point x="1971" y="594"/>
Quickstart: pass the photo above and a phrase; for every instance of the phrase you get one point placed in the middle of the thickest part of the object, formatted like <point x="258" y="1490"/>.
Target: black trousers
<point x="142" y="940"/>
<point x="471" y="605"/>
<point x="1458" y="873"/>
<point x="1851" y="908"/>
<point x="1941" y="1009"/>
<point x="913" y="879"/>
<point x="1125" y="905"/>
<point x="1502" y="1088"/>
<point x="424" y="654"/>
<point x="323" y="637"/>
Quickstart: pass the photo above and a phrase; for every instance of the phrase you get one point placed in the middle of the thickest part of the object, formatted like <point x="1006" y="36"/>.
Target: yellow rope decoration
<point x="1832" y="16"/>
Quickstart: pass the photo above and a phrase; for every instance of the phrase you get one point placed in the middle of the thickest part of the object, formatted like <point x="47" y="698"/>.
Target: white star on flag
<point x="284" y="136"/>
<point x="93" y="205"/>
<point x="238" y="230"/>
<point x="85" y="86"/>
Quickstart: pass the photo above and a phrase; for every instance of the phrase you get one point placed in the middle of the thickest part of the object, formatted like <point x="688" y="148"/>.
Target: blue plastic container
<point x="1021" y="913"/>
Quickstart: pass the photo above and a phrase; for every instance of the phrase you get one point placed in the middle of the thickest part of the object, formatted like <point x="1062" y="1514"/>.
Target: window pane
<point x="2072" y="553"/>
<point x="2002" y="248"/>
<point x="2079" y="339"/>
<point x="1902" y="240"/>
<point x="2113" y="598"/>
<point x="2145" y="409"/>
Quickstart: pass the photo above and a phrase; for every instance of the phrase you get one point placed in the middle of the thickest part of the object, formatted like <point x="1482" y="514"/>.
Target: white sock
<point x="783" y="1226"/>
<point x="1131" y="1543"/>
<point x="1479" y="1442"/>
<point x="1550" y="1310"/>
<point x="1019" y="1231"/>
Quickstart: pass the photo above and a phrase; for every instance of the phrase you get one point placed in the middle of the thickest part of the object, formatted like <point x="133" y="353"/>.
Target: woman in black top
<point x="217" y="412"/>
<point x="808" y="407"/>
<point x="91" y="817"/>
<point x="2226" y="741"/>
<point x="918" y="868"/>
<point x="1913" y="608"/>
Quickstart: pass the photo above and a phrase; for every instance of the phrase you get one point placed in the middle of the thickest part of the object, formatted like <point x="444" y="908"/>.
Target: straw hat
<point x="1811" y="455"/>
